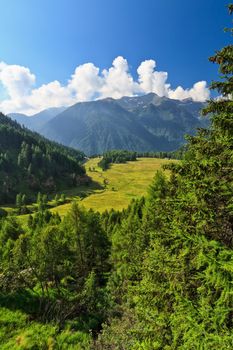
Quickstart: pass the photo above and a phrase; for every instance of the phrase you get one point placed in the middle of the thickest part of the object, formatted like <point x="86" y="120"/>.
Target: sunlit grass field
<point x="117" y="186"/>
<point x="113" y="188"/>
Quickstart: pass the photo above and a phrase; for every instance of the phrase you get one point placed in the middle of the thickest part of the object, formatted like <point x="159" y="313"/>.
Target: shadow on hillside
<point x="24" y="301"/>
<point x="43" y="310"/>
<point x="37" y="308"/>
<point x="87" y="190"/>
<point x="95" y="185"/>
<point x="81" y="191"/>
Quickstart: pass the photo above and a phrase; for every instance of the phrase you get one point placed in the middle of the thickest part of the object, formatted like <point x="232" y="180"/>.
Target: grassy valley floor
<point x="113" y="188"/>
<point x="117" y="186"/>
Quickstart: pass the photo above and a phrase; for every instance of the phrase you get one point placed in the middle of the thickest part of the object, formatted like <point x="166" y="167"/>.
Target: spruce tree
<point x="184" y="300"/>
<point x="184" y="297"/>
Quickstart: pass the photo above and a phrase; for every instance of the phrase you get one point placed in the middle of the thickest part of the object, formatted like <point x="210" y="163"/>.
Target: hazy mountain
<point x="38" y="120"/>
<point x="20" y="118"/>
<point x="143" y="123"/>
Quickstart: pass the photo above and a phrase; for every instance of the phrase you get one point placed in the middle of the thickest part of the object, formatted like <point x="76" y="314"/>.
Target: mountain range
<point x="142" y="123"/>
<point x="38" y="120"/>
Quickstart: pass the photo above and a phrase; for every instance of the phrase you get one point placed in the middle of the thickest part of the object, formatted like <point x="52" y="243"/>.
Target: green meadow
<point x="112" y="188"/>
<point x="115" y="187"/>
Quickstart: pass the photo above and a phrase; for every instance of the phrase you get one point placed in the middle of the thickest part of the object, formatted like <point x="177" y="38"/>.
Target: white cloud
<point x="117" y="81"/>
<point x="17" y="80"/>
<point x="151" y="80"/>
<point x="199" y="92"/>
<point x="85" y="82"/>
<point x="88" y="83"/>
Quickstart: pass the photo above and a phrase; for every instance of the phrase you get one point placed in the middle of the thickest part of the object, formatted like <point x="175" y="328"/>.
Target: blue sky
<point x="51" y="38"/>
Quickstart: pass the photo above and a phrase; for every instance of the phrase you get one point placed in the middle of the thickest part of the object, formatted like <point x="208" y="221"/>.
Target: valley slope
<point x="29" y="163"/>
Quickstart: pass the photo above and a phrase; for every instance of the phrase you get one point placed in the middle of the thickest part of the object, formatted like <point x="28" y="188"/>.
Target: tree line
<point x="116" y="156"/>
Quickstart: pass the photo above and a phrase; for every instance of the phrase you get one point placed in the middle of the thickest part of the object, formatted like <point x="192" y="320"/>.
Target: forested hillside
<point x="155" y="276"/>
<point x="29" y="163"/>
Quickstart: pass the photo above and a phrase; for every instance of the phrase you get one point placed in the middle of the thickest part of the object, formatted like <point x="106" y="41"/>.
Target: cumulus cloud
<point x="17" y="80"/>
<point x="199" y="92"/>
<point x="117" y="82"/>
<point x="151" y="80"/>
<point x="89" y="83"/>
<point x="85" y="82"/>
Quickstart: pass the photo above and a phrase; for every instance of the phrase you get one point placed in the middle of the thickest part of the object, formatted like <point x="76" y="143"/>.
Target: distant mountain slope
<point x="143" y="123"/>
<point x="168" y="120"/>
<point x="99" y="126"/>
<point x="38" y="120"/>
<point x="29" y="163"/>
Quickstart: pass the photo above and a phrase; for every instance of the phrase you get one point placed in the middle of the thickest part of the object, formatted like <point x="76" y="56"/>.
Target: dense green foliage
<point x="29" y="163"/>
<point x="18" y="333"/>
<point x="53" y="272"/>
<point x="116" y="156"/>
<point x="156" y="276"/>
<point x="172" y="256"/>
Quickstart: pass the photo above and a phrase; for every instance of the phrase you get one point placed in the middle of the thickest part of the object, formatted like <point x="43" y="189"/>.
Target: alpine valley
<point x="116" y="230"/>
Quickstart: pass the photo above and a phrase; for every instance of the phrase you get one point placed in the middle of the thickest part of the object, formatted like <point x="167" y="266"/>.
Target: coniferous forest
<point x="157" y="275"/>
<point x="29" y="163"/>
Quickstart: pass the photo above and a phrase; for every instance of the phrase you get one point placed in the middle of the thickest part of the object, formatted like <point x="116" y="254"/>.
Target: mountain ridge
<point x="140" y="123"/>
<point x="36" y="121"/>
